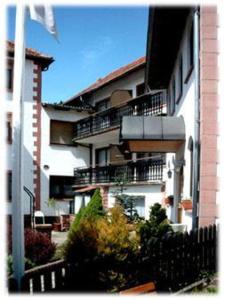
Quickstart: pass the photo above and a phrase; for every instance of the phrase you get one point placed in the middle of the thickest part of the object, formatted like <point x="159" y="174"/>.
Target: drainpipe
<point x="196" y="148"/>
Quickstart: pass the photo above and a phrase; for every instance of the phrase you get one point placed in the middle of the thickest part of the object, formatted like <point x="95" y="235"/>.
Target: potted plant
<point x="168" y="200"/>
<point x="186" y="203"/>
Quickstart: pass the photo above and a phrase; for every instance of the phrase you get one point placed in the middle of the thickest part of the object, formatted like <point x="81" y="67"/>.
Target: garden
<point x="114" y="250"/>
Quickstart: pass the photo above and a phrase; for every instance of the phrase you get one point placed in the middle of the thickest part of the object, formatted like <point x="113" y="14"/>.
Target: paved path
<point x="59" y="237"/>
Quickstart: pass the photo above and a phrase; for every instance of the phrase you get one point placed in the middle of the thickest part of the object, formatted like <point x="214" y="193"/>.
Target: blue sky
<point x="93" y="42"/>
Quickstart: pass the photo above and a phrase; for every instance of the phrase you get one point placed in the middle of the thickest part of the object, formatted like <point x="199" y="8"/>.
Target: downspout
<point x="196" y="148"/>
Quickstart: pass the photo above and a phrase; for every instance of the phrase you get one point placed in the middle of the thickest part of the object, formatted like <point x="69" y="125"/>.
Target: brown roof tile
<point x="111" y="77"/>
<point x="44" y="60"/>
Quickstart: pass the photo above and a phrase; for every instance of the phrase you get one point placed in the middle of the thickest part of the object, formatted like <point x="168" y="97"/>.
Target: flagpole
<point x="17" y="175"/>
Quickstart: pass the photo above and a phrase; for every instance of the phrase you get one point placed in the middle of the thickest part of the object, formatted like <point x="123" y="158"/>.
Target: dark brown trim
<point x="9" y="127"/>
<point x="191" y="68"/>
<point x="36" y="125"/>
<point x="9" y="195"/>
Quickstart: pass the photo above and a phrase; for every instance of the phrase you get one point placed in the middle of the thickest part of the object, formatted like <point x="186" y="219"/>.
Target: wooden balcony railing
<point x="145" y="170"/>
<point x="143" y="105"/>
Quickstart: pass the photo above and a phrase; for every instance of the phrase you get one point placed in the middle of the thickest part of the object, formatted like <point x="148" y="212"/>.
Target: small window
<point x="140" y="89"/>
<point x="61" y="187"/>
<point x="61" y="133"/>
<point x="190" y="53"/>
<point x="102" y="105"/>
<point x="9" y="186"/>
<point x="173" y="97"/>
<point x="9" y="79"/>
<point x="101" y="156"/>
<point x="180" y="80"/>
<point x="9" y="128"/>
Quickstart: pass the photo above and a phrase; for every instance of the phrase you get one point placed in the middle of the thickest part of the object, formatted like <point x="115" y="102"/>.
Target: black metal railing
<point x="144" y="105"/>
<point x="145" y="170"/>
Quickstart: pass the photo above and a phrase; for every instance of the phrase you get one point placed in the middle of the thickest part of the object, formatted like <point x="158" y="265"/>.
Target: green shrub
<point x="154" y="228"/>
<point x="94" y="209"/>
<point x="129" y="204"/>
<point x="82" y="236"/>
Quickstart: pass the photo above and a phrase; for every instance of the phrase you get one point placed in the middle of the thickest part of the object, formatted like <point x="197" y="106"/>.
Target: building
<point x="182" y="59"/>
<point x="35" y="64"/>
<point x="118" y="94"/>
<point x="148" y="129"/>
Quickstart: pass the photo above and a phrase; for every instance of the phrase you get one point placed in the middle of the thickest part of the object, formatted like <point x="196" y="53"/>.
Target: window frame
<point x="173" y="96"/>
<point x="50" y="133"/>
<point x="9" y="185"/>
<point x="180" y="79"/>
<point x="107" y="156"/>
<point x="139" y="86"/>
<point x="103" y="101"/>
<point x="62" y="180"/>
<point x="190" y="53"/>
<point x="9" y="79"/>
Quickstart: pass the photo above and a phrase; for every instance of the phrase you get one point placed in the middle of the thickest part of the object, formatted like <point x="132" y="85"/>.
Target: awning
<point x="152" y="134"/>
<point x="87" y="189"/>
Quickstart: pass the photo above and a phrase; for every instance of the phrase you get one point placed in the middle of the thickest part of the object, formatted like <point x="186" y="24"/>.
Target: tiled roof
<point x="111" y="77"/>
<point x="44" y="60"/>
<point x="60" y="106"/>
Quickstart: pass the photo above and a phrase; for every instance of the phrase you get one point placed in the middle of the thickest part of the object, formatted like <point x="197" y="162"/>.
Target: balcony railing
<point x="145" y="170"/>
<point x="144" y="105"/>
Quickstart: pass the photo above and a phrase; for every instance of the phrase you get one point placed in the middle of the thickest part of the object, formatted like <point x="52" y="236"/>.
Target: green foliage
<point x="82" y="233"/>
<point x="154" y="228"/>
<point x="114" y="236"/>
<point x="128" y="203"/>
<point x="101" y="246"/>
<point x="94" y="209"/>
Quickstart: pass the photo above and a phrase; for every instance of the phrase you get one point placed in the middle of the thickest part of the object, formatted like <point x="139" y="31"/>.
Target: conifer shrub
<point x="153" y="229"/>
<point x="82" y="237"/>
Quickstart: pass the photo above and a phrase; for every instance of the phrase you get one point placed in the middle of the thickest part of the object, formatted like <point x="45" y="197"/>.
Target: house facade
<point x="148" y="129"/>
<point x="114" y="170"/>
<point x="182" y="58"/>
<point x="35" y="64"/>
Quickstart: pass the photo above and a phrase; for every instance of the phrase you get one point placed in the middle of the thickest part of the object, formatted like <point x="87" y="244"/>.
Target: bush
<point x="82" y="237"/>
<point x="129" y="203"/>
<point x="114" y="236"/>
<point x="38" y="248"/>
<point x="154" y="228"/>
<point x="103" y="247"/>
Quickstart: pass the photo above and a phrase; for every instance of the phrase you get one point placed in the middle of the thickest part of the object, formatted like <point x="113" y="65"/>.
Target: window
<point x="102" y="105"/>
<point x="61" y="133"/>
<point x="9" y="185"/>
<point x="173" y="97"/>
<point x="101" y="156"/>
<point x="140" y="89"/>
<point x="190" y="147"/>
<point x="180" y="80"/>
<point x="61" y="187"/>
<point x="9" y="128"/>
<point x="190" y="53"/>
<point x="9" y="78"/>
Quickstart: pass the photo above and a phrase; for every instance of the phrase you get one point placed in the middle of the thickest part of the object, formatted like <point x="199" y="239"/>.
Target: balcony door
<point x="102" y="171"/>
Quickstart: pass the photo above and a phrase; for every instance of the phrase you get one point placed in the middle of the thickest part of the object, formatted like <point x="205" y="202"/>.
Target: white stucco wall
<point x="128" y="82"/>
<point x="184" y="108"/>
<point x="60" y="159"/>
<point x="27" y="134"/>
<point x="151" y="192"/>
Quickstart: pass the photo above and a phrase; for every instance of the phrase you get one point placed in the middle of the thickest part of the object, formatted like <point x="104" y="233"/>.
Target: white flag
<point x="44" y="15"/>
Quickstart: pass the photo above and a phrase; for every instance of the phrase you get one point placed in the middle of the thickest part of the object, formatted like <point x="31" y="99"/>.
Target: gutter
<point x="196" y="145"/>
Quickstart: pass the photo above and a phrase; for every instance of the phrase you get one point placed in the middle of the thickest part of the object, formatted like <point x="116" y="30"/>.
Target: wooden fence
<point x="179" y="259"/>
<point x="47" y="278"/>
<point x="172" y="263"/>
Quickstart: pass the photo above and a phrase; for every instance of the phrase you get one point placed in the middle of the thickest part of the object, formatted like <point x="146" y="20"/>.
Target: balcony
<point x="147" y="105"/>
<point x="131" y="172"/>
